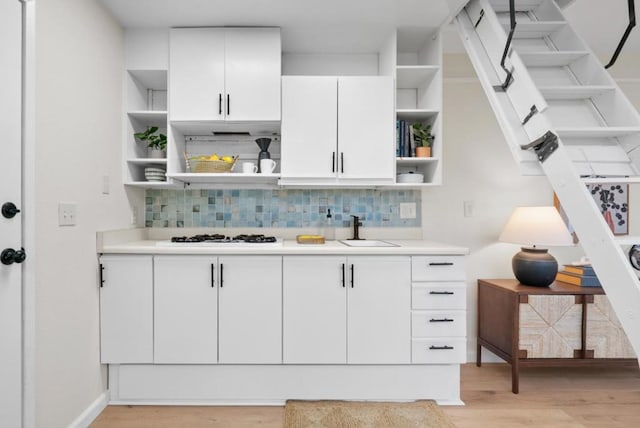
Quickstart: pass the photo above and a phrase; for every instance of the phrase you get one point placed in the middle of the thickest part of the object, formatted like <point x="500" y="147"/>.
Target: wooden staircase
<point x="548" y="90"/>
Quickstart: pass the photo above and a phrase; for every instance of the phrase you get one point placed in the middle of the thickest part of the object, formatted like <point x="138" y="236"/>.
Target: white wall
<point x="479" y="167"/>
<point x="79" y="55"/>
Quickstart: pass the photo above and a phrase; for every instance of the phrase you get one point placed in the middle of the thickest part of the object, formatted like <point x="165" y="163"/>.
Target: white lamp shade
<point x="535" y="226"/>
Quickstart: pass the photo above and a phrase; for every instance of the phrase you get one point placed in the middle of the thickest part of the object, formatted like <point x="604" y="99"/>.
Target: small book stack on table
<point x="582" y="275"/>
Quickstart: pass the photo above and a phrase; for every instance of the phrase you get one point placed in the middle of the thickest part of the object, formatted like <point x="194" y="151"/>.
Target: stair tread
<point x="535" y="29"/>
<point x="551" y="58"/>
<point x="597" y="131"/>
<point x="573" y="92"/>
<point x="627" y="239"/>
<point x="611" y="179"/>
<point x="521" y="5"/>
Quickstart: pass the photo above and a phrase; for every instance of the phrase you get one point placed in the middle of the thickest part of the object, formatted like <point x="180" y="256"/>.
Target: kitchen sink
<point x="367" y="243"/>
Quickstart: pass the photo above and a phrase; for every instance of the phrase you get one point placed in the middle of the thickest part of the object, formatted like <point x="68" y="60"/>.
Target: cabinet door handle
<point x="220" y="104"/>
<point x="228" y="105"/>
<point x="441" y="264"/>
<point x="342" y="162"/>
<point x="343" y="274"/>
<point x="440" y="348"/>
<point x="221" y="274"/>
<point x="333" y="161"/>
<point x="352" y="276"/>
<point x="442" y="292"/>
<point x="213" y="281"/>
<point x="440" y="320"/>
<point x="101" y="275"/>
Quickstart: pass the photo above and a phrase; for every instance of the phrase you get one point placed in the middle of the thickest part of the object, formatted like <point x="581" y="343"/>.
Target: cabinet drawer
<point x="438" y="351"/>
<point x="438" y="324"/>
<point x="439" y="295"/>
<point x="437" y="268"/>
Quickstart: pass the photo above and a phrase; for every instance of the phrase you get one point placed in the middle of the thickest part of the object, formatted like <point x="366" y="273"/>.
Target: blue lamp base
<point x="534" y="267"/>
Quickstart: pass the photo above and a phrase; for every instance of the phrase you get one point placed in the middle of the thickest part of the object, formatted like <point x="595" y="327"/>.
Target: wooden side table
<point x="548" y="327"/>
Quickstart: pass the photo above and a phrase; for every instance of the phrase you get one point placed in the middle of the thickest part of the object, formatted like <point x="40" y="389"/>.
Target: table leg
<point x="479" y="355"/>
<point x="515" y="376"/>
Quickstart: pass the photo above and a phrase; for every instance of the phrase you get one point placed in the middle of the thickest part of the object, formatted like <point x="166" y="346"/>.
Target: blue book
<point x="575" y="279"/>
<point x="580" y="269"/>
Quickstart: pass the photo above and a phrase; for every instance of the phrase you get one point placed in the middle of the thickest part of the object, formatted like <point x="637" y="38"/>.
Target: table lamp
<point x="532" y="227"/>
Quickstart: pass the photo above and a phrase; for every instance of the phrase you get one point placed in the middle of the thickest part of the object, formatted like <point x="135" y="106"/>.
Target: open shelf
<point x="225" y="178"/>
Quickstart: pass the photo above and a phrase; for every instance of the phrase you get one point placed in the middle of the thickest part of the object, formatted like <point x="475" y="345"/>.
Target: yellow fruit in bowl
<point x="228" y="159"/>
<point x="214" y="157"/>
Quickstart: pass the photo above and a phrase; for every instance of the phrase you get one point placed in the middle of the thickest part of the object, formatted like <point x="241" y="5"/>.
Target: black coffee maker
<point x="263" y="143"/>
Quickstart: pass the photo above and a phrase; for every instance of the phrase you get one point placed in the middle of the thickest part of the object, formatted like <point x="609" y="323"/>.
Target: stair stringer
<point x="607" y="257"/>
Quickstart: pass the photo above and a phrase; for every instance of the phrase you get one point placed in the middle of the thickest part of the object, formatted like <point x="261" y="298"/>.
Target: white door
<point x="185" y="310"/>
<point x="314" y="310"/>
<point x="250" y="310"/>
<point x="366" y="128"/>
<point x="252" y="74"/>
<point x="309" y="127"/>
<point x="126" y="309"/>
<point x="196" y="74"/>
<point x="10" y="228"/>
<point x="379" y="310"/>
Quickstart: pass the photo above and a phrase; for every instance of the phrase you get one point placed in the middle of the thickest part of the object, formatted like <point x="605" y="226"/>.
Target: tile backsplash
<point x="277" y="208"/>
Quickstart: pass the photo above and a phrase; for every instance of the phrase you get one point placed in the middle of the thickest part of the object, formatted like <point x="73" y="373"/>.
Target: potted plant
<point x="156" y="141"/>
<point x="423" y="139"/>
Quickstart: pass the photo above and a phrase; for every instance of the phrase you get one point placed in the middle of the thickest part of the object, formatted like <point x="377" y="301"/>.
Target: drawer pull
<point x="441" y="264"/>
<point x="440" y="348"/>
<point x="442" y="292"/>
<point x="440" y="320"/>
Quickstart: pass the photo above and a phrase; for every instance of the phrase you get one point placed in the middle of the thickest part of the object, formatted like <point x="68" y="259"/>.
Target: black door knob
<point x="10" y="256"/>
<point x="9" y="210"/>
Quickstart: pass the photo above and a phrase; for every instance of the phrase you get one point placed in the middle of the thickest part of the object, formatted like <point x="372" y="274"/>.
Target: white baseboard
<point x="91" y="412"/>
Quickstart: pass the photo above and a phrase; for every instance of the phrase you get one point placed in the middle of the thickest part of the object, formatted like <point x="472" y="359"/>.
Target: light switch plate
<point x="67" y="212"/>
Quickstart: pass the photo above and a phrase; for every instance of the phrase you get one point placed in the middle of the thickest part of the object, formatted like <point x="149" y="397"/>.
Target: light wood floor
<point x="549" y="398"/>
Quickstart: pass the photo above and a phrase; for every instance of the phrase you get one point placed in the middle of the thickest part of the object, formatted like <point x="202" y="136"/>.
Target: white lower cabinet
<point x="378" y="318"/>
<point x="250" y="310"/>
<point x="265" y="328"/>
<point x="439" y="317"/>
<point x="340" y="309"/>
<point x="185" y="303"/>
<point x="126" y="309"/>
<point x="314" y="300"/>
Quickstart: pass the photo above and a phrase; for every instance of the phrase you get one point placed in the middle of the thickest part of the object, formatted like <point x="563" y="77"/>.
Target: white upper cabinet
<point x="252" y="74"/>
<point x="196" y="74"/>
<point x="309" y="124"/>
<point x="224" y="74"/>
<point x="338" y="129"/>
<point x="365" y="128"/>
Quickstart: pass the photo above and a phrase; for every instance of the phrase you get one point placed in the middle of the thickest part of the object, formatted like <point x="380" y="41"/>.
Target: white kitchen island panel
<point x="274" y="384"/>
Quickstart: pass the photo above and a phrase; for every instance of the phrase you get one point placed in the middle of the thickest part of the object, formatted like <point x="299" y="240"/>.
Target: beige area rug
<point x="364" y="414"/>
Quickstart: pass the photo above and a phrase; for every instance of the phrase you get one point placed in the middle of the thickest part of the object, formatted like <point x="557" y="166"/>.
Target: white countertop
<point x="143" y="241"/>
<point x="290" y="247"/>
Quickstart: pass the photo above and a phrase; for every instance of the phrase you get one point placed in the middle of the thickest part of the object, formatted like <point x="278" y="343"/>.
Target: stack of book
<point x="406" y="140"/>
<point x="582" y="275"/>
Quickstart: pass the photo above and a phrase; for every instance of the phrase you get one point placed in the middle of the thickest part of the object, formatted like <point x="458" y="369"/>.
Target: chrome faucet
<point x="356" y="228"/>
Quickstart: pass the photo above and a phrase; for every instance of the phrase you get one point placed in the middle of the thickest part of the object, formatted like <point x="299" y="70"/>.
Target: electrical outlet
<point x="407" y="210"/>
<point x="67" y="214"/>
